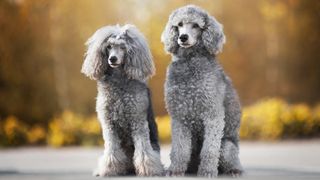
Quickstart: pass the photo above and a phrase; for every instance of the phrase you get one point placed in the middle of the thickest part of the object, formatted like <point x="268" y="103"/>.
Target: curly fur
<point x="212" y="37"/>
<point x="204" y="107"/>
<point x="124" y="105"/>
<point x="139" y="64"/>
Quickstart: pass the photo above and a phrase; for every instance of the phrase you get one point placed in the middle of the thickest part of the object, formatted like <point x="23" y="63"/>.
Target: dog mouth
<point x="114" y="65"/>
<point x="185" y="44"/>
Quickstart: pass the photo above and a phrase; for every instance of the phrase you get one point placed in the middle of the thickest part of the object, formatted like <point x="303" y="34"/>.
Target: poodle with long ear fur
<point x="204" y="107"/>
<point x="93" y="65"/>
<point x="139" y="64"/>
<point x="119" y="59"/>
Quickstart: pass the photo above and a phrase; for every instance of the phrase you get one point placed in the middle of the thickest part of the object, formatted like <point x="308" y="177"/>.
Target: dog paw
<point x="175" y="173"/>
<point x="209" y="174"/>
<point x="111" y="165"/>
<point x="176" y="170"/>
<point x="148" y="164"/>
<point x="235" y="173"/>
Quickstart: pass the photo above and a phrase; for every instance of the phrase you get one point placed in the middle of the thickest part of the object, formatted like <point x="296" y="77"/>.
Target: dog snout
<point x="183" y="37"/>
<point x="113" y="59"/>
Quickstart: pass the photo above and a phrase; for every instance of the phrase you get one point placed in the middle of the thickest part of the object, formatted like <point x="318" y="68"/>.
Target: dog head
<point x="189" y="26"/>
<point x="118" y="47"/>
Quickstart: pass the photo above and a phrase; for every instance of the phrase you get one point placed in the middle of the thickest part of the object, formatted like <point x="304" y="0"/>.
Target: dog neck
<point x="114" y="76"/>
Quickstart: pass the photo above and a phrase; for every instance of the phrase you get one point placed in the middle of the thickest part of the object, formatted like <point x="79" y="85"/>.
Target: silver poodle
<point x="119" y="59"/>
<point x="203" y="105"/>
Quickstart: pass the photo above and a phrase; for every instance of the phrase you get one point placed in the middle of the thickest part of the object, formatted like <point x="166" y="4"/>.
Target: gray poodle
<point x="203" y="105"/>
<point x="119" y="59"/>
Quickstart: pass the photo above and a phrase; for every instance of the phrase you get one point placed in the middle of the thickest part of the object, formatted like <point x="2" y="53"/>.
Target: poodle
<point x="204" y="107"/>
<point x="119" y="59"/>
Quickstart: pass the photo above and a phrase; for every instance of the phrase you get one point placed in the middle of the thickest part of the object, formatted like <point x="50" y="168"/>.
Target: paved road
<point x="285" y="160"/>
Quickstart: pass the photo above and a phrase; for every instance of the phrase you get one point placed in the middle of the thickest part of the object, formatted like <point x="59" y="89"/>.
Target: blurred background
<point x="272" y="55"/>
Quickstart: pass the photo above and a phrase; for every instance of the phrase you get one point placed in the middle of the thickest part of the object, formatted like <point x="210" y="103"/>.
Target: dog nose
<point x="113" y="59"/>
<point x="183" y="37"/>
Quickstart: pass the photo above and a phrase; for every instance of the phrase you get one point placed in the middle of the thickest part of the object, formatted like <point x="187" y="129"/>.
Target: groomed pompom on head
<point x="212" y="37"/>
<point x="139" y="64"/>
<point x="93" y="65"/>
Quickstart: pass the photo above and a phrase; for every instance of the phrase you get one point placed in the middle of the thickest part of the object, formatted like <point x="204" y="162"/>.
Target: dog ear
<point x="139" y="64"/>
<point x="93" y="65"/>
<point x="169" y="36"/>
<point x="213" y="37"/>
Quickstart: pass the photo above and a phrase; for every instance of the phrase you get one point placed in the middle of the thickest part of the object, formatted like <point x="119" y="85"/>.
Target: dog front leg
<point x="146" y="160"/>
<point x="113" y="161"/>
<point x="181" y="149"/>
<point x="210" y="152"/>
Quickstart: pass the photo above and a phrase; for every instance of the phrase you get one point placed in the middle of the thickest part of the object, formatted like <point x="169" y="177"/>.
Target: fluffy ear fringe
<point x="169" y="36"/>
<point x="213" y="37"/>
<point x="93" y="67"/>
<point x="139" y="64"/>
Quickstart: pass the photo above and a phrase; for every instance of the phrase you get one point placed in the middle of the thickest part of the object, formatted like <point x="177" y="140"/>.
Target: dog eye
<point x="195" y="26"/>
<point x="109" y="47"/>
<point x="122" y="47"/>
<point x="180" y="24"/>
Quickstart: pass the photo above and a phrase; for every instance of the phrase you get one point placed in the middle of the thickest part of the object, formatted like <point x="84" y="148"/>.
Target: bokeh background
<point x="272" y="55"/>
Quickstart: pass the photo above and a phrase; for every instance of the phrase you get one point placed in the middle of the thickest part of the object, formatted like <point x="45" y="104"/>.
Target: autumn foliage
<point x="272" y="50"/>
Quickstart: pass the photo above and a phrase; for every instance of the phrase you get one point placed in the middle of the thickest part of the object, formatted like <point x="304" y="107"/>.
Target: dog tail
<point x="152" y="126"/>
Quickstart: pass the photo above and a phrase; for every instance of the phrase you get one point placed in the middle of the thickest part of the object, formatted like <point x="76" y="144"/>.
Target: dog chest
<point x="189" y="98"/>
<point x="192" y="87"/>
<point x="121" y="105"/>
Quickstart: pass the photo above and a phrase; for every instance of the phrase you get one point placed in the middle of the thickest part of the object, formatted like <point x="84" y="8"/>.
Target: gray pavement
<point x="261" y="160"/>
